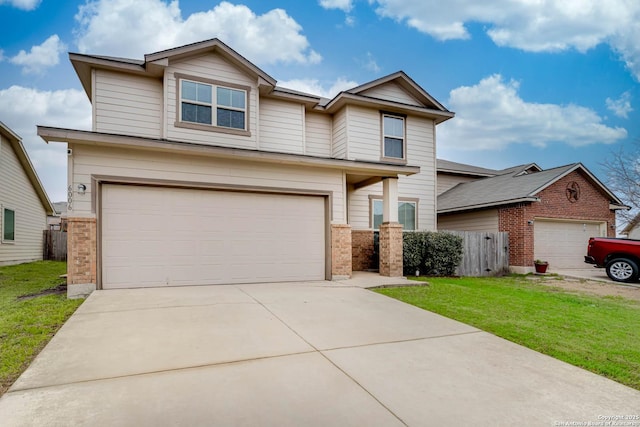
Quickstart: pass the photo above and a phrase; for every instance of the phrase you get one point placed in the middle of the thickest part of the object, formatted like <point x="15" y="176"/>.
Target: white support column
<point x="390" y="200"/>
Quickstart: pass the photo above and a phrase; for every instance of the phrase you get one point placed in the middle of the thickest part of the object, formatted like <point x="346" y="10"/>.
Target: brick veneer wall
<point x="81" y="251"/>
<point x="593" y="205"/>
<point x="340" y="251"/>
<point x="362" y="250"/>
<point x="391" y="249"/>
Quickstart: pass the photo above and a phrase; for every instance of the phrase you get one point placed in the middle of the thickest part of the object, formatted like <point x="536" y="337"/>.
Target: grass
<point x="27" y="324"/>
<point x="600" y="334"/>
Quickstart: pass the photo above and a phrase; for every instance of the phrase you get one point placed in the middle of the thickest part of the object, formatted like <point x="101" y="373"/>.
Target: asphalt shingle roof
<point x="500" y="189"/>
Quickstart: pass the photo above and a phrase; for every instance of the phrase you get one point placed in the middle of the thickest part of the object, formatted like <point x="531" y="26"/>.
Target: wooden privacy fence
<point x="484" y="254"/>
<point x="55" y="245"/>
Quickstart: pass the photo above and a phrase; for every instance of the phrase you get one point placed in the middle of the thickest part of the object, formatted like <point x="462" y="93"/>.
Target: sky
<point x="548" y="81"/>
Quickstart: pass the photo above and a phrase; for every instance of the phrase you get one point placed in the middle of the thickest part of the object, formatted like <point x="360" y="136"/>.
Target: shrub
<point x="433" y="253"/>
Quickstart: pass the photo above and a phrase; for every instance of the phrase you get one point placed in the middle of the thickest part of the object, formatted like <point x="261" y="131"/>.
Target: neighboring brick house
<point x="199" y="169"/>
<point x="549" y="214"/>
<point x="24" y="204"/>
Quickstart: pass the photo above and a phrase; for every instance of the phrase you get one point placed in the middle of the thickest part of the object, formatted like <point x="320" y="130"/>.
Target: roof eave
<point x="344" y="98"/>
<point x="489" y="205"/>
<point x="51" y="134"/>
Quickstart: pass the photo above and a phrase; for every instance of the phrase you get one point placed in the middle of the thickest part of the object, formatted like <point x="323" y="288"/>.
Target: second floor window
<point x="393" y="137"/>
<point x="208" y="104"/>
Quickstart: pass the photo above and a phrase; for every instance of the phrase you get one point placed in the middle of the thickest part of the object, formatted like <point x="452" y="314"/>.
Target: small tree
<point x="433" y="253"/>
<point x="622" y="170"/>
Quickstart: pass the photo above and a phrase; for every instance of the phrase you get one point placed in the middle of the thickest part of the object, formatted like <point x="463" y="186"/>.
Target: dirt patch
<point x="590" y="286"/>
<point x="58" y="290"/>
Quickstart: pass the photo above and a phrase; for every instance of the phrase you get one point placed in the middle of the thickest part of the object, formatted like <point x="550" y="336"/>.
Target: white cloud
<point x="491" y="115"/>
<point x="344" y="5"/>
<point x="621" y="107"/>
<point x="22" y="4"/>
<point x="40" y="57"/>
<point x="314" y="87"/>
<point x="23" y="108"/>
<point x="131" y="29"/>
<point x="370" y="63"/>
<point x="536" y="26"/>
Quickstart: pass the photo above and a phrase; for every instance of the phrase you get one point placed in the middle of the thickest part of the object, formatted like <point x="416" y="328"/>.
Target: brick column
<point x="81" y="257"/>
<point x="391" y="249"/>
<point x="340" y="251"/>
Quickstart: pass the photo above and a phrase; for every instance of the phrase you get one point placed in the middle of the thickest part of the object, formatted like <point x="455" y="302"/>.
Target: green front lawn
<point x="27" y="324"/>
<point x="600" y="334"/>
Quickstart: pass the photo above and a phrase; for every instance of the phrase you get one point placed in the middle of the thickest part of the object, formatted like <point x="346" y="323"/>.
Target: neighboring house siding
<point x="210" y="67"/>
<point x="318" y="134"/>
<point x="119" y="162"/>
<point x="486" y="220"/>
<point x="281" y="126"/>
<point x="634" y="234"/>
<point x="392" y="92"/>
<point x="363" y="134"/>
<point x="340" y="134"/>
<point x="447" y="182"/>
<point x="17" y="193"/>
<point x="127" y="104"/>
<point x="420" y="152"/>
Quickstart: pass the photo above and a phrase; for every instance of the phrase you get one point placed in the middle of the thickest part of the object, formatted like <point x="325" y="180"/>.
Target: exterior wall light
<point x="82" y="188"/>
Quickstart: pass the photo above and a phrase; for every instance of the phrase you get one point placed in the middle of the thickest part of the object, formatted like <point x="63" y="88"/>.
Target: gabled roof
<point x="455" y="168"/>
<point x="16" y="143"/>
<point x="154" y="63"/>
<point x="355" y="96"/>
<point x="511" y="187"/>
<point x="631" y="225"/>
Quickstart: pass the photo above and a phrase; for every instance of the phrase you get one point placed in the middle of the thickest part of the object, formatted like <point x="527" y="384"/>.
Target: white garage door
<point x="154" y="236"/>
<point x="564" y="243"/>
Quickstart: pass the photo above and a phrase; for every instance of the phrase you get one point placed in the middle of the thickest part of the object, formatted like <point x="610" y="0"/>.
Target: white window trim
<point x="2" y="239"/>
<point x="414" y="201"/>
<point x="212" y="127"/>
<point x="383" y="136"/>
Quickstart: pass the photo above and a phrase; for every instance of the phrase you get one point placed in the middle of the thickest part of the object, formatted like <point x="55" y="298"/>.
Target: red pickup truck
<point x="621" y="257"/>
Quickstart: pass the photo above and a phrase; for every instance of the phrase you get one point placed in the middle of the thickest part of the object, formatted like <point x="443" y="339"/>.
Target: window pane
<point x="204" y="93"/>
<point x="230" y="118"/>
<point x="377" y="214"/>
<point x="393" y="126"/>
<point x="393" y="148"/>
<point x="9" y="225"/>
<point x="407" y="215"/>
<point x="189" y="90"/>
<point x="196" y="113"/>
<point x="224" y="97"/>
<point x="237" y="99"/>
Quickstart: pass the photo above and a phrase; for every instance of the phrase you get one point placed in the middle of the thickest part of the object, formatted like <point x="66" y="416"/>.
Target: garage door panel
<point x="160" y="236"/>
<point x="564" y="243"/>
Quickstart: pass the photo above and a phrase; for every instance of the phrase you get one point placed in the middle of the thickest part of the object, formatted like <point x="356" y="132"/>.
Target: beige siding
<point x="391" y="92"/>
<point x="485" y="220"/>
<point x="447" y="182"/>
<point x="17" y="193"/>
<point x="364" y="134"/>
<point x="420" y="152"/>
<point x="281" y="126"/>
<point x="318" y="134"/>
<point x="136" y="163"/>
<point x="127" y="104"/>
<point x="212" y="67"/>
<point x="339" y="150"/>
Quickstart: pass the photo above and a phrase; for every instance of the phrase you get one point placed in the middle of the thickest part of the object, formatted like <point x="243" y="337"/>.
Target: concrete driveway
<point x="295" y="354"/>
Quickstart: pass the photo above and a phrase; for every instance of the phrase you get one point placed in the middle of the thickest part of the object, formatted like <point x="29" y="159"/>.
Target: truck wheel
<point x="622" y="270"/>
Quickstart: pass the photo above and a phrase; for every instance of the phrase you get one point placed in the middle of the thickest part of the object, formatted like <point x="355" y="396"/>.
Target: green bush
<point x="433" y="253"/>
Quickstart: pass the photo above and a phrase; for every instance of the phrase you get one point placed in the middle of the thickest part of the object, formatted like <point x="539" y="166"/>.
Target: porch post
<point x="390" y="231"/>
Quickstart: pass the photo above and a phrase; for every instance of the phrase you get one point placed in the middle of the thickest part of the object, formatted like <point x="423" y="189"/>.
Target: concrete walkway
<point x="294" y="354"/>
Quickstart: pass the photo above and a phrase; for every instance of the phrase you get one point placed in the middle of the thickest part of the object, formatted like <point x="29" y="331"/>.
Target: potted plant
<point x="541" y="266"/>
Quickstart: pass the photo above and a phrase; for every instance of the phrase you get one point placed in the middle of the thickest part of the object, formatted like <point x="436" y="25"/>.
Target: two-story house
<point x="200" y="170"/>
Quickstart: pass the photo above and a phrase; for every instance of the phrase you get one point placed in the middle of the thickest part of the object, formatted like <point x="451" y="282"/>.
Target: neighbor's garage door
<point x="154" y="236"/>
<point x="564" y="243"/>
